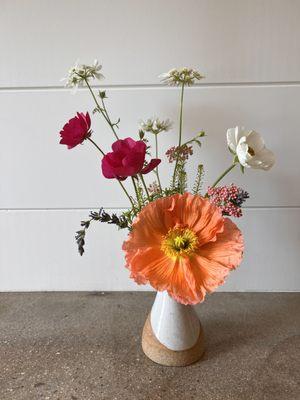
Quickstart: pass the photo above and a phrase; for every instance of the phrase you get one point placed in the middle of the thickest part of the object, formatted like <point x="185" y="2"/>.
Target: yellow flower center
<point x="179" y="242"/>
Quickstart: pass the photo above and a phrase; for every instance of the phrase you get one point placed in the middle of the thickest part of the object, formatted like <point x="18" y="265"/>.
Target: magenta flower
<point x="127" y="159"/>
<point x="76" y="130"/>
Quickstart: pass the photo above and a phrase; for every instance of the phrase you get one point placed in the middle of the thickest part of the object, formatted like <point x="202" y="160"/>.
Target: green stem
<point x="136" y="192"/>
<point x="180" y="130"/>
<point x="156" y="169"/>
<point x="127" y="194"/>
<point x="224" y="173"/>
<point x="180" y="115"/>
<point x="108" y="118"/>
<point x="100" y="109"/>
<point x="95" y="144"/>
<point x="145" y="187"/>
<point x="94" y="97"/>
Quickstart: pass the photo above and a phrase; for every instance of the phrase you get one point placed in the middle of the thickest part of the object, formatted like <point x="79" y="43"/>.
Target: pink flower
<point x="228" y="198"/>
<point x="76" y="130"/>
<point x="181" y="153"/>
<point x="127" y="159"/>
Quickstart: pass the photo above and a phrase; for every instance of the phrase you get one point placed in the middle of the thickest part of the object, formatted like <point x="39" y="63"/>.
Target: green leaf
<point x="141" y="134"/>
<point x="235" y="159"/>
<point x="117" y="123"/>
<point x="102" y="94"/>
<point x="197" y="142"/>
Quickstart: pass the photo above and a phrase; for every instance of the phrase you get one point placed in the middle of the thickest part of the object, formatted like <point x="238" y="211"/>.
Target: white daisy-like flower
<point x="155" y="125"/>
<point x="176" y="77"/>
<point x="79" y="74"/>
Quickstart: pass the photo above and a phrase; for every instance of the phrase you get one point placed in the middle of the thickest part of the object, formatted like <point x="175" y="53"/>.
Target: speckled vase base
<point x="160" y="354"/>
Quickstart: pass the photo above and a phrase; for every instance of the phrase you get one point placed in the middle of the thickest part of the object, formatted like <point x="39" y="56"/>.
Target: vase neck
<point x="175" y="325"/>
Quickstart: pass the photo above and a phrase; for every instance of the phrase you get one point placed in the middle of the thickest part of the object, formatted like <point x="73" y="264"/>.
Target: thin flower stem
<point x="95" y="98"/>
<point x="127" y="194"/>
<point x="95" y="144"/>
<point x="156" y="155"/>
<point x="145" y="187"/>
<point x="100" y="109"/>
<point x="136" y="192"/>
<point x="110" y="124"/>
<point x="224" y="173"/>
<point x="181" y="115"/>
<point x="180" y="131"/>
<point x="108" y="118"/>
<point x="121" y="184"/>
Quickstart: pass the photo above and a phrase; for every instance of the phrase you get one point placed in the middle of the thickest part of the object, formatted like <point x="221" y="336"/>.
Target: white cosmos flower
<point x="250" y="148"/>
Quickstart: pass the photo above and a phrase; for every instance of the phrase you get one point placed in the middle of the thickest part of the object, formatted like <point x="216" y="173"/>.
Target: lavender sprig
<point x="121" y="221"/>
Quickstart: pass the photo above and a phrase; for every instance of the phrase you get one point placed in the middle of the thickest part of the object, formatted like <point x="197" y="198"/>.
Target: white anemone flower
<point x="250" y="148"/>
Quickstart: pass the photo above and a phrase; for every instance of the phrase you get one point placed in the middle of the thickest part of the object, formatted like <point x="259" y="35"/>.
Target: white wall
<point x="249" y="52"/>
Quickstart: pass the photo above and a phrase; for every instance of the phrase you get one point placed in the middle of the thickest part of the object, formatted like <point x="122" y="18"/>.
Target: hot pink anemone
<point x="127" y="159"/>
<point x="76" y="130"/>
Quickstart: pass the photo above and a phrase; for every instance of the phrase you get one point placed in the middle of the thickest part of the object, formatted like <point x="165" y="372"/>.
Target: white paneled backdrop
<point x="249" y="50"/>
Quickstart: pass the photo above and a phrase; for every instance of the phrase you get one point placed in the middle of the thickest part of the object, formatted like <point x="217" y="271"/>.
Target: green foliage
<point x="180" y="177"/>
<point x="198" y="181"/>
<point x="129" y="216"/>
<point x="196" y="139"/>
<point x="141" y="134"/>
<point x="102" y="94"/>
<point x="140" y="193"/>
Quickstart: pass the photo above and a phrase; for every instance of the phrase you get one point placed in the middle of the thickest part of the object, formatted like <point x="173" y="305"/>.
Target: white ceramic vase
<point x="172" y="334"/>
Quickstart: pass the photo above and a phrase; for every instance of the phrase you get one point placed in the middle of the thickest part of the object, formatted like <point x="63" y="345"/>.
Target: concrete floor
<point x="86" y="346"/>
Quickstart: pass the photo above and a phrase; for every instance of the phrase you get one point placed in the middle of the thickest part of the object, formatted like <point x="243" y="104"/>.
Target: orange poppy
<point x="184" y="245"/>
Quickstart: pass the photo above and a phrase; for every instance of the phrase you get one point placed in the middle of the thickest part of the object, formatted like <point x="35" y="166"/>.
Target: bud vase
<point x="172" y="333"/>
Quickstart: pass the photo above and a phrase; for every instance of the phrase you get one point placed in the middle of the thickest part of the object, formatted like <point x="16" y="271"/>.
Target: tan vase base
<point x="160" y="354"/>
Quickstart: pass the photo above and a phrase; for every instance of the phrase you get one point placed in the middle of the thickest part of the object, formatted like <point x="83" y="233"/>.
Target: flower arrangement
<point x="180" y="240"/>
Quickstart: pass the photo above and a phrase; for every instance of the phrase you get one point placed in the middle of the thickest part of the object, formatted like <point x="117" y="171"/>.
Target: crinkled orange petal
<point x="183" y="285"/>
<point x="208" y="274"/>
<point x="228" y="249"/>
<point x="150" y="265"/>
<point x="197" y="213"/>
<point x="187" y="278"/>
<point x="148" y="228"/>
<point x="209" y="222"/>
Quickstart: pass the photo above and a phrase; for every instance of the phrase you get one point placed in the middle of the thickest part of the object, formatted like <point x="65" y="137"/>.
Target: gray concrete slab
<point x="86" y="346"/>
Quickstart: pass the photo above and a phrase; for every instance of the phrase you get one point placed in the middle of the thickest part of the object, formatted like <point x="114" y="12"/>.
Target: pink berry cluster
<point x="228" y="198"/>
<point x="181" y="153"/>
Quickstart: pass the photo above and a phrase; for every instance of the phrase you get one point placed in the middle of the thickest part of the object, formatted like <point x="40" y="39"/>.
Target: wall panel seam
<point x="149" y="86"/>
<point x="122" y="208"/>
